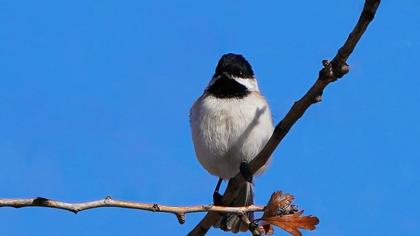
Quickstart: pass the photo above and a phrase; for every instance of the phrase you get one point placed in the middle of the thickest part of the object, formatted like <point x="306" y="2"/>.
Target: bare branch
<point x="179" y="211"/>
<point x="330" y="72"/>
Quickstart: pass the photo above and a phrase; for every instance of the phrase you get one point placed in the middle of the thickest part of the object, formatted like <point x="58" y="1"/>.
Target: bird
<point x="230" y="124"/>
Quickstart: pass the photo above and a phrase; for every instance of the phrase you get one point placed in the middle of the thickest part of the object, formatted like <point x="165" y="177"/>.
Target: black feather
<point x="234" y="65"/>
<point x="225" y="87"/>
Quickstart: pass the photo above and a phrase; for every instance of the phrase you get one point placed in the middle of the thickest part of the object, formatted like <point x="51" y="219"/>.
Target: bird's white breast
<point x="228" y="131"/>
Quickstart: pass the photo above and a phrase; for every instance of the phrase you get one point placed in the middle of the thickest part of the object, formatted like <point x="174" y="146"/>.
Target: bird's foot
<point x="245" y="171"/>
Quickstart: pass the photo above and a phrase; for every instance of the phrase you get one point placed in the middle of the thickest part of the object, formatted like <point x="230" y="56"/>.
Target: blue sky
<point x="95" y="96"/>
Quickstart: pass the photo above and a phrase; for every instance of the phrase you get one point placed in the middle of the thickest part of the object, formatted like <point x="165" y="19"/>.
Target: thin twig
<point x="330" y="72"/>
<point x="253" y="230"/>
<point x="179" y="211"/>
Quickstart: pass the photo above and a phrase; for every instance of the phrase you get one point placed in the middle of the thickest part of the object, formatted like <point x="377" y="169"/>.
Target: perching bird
<point x="230" y="124"/>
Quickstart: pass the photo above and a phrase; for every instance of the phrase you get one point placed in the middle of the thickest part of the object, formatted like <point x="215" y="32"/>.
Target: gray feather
<point x="233" y="222"/>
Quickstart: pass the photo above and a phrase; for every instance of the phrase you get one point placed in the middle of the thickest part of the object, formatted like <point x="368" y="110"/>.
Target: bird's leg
<point x="245" y="172"/>
<point x="217" y="197"/>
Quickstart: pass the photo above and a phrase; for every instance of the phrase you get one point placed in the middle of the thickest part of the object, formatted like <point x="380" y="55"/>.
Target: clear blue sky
<point x="95" y="96"/>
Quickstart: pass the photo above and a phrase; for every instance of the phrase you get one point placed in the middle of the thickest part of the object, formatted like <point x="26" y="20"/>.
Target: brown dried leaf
<point x="293" y="222"/>
<point x="282" y="213"/>
<point x="280" y="204"/>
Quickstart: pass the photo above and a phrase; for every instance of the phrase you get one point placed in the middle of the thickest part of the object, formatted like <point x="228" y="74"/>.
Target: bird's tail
<point x="233" y="222"/>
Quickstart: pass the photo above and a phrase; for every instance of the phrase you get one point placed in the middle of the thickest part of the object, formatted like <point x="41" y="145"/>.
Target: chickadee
<point x="230" y="124"/>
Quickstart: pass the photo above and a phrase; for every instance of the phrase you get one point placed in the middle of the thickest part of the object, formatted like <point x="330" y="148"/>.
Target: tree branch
<point x="330" y="72"/>
<point x="109" y="202"/>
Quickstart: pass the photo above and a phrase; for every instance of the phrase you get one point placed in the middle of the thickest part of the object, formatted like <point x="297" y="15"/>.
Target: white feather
<point x="250" y="84"/>
<point x="228" y="131"/>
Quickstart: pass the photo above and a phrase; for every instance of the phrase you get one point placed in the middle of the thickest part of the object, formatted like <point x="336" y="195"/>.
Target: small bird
<point x="230" y="124"/>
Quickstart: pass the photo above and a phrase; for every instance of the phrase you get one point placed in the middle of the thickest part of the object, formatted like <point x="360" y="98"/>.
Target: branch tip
<point x="253" y="228"/>
<point x="155" y="207"/>
<point x="327" y="73"/>
<point x="345" y="68"/>
<point x="318" y="98"/>
<point x="180" y="217"/>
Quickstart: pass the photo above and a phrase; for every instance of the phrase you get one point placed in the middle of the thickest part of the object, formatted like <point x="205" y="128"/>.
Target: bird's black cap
<point x="234" y="65"/>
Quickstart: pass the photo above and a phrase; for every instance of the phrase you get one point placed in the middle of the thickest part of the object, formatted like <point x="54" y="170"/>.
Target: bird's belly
<point x="227" y="132"/>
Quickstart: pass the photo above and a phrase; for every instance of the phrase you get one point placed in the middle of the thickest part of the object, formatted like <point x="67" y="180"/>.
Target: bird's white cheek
<point x="250" y="84"/>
